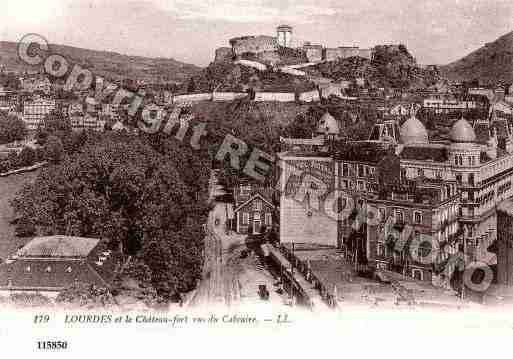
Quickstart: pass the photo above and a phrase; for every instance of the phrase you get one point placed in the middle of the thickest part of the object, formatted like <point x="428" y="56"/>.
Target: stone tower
<point x="284" y="35"/>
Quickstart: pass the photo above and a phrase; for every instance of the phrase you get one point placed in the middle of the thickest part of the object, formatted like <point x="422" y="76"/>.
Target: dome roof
<point x="328" y="125"/>
<point x="462" y="132"/>
<point x="413" y="131"/>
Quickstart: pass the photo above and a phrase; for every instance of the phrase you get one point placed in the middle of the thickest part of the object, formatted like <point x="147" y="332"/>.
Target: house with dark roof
<point x="254" y="210"/>
<point x="47" y="265"/>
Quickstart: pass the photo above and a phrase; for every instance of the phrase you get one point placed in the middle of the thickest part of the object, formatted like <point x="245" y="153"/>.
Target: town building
<point x="442" y="103"/>
<point x="35" y="111"/>
<point x="48" y="265"/>
<point x="504" y="246"/>
<point x="284" y="33"/>
<point x="254" y="209"/>
<point x="463" y="177"/>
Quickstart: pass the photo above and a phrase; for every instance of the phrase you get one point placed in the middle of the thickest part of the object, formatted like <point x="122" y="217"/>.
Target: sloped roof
<point x="59" y="246"/>
<point x="362" y="151"/>
<point x="251" y="199"/>
<point x="54" y="275"/>
<point x="424" y="153"/>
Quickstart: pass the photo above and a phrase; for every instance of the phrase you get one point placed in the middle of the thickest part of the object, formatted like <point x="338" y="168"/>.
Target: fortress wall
<point x="348" y="51"/>
<point x="275" y="96"/>
<point x="309" y="96"/>
<point x="256" y="65"/>
<point x="313" y="54"/>
<point x="228" y="96"/>
<point x="192" y="97"/>
<point x="366" y="53"/>
<point x="223" y="54"/>
<point x="253" y="44"/>
<point x="293" y="72"/>
<point x="332" y="54"/>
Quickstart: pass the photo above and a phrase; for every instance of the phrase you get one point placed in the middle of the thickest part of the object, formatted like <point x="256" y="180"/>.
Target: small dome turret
<point x="413" y="131"/>
<point x="462" y="132"/>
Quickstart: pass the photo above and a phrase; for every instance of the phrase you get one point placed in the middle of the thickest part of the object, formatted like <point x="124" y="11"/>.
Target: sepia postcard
<point x="256" y="178"/>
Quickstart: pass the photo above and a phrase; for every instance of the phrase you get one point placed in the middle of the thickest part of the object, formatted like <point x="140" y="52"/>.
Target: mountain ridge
<point x="109" y="64"/>
<point x="491" y="64"/>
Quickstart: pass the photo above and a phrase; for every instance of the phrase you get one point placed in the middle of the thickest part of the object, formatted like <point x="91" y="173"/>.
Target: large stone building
<point x="253" y="44"/>
<point x="48" y="265"/>
<point x="452" y="185"/>
<point x="35" y="111"/>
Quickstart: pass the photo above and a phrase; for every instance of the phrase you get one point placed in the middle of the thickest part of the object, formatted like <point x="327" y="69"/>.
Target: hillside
<point x="491" y="64"/>
<point x="110" y="65"/>
<point x="391" y="66"/>
<point x="227" y="76"/>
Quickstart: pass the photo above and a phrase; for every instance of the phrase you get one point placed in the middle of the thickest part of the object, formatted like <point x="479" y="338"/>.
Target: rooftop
<point x="59" y="246"/>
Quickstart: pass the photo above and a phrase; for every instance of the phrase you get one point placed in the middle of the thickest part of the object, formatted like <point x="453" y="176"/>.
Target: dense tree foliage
<point x="121" y="189"/>
<point x="12" y="128"/>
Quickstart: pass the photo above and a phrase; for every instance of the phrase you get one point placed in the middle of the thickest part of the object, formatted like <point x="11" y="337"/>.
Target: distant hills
<point x="491" y="64"/>
<point x="110" y="65"/>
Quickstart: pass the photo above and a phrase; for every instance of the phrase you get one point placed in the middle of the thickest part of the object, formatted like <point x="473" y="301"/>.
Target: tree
<point x="86" y="295"/>
<point x="53" y="150"/>
<point x="119" y="187"/>
<point x="191" y="86"/>
<point x="27" y="157"/>
<point x="12" y="128"/>
<point x="54" y="124"/>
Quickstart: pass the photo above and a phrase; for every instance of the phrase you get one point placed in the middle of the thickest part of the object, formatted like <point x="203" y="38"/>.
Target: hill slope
<point x="110" y="65"/>
<point x="391" y="66"/>
<point x="491" y="64"/>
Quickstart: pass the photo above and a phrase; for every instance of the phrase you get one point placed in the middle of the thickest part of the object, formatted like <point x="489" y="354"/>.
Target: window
<point x="471" y="179"/>
<point x="420" y="172"/>
<point x="245" y="190"/>
<point x="403" y="173"/>
<point x="381" y="250"/>
<point x="399" y="216"/>
<point x="268" y="219"/>
<point x="417" y="217"/>
<point x="360" y="171"/>
<point x="245" y="218"/>
<point x="345" y="170"/>
<point x="257" y="205"/>
<point x="416" y="274"/>
<point x="361" y="186"/>
<point x="345" y="184"/>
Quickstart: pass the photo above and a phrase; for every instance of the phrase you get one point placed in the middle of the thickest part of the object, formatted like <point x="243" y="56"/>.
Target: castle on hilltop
<point x="265" y="48"/>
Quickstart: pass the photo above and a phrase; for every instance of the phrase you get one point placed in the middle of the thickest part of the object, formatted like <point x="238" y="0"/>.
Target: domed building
<point x="413" y="132"/>
<point x="464" y="150"/>
<point x="462" y="132"/>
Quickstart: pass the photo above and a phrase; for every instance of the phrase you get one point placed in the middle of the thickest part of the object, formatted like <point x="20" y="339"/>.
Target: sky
<point x="435" y="31"/>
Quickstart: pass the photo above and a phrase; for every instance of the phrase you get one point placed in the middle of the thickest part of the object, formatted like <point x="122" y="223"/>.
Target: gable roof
<point x="59" y="246"/>
<point x="55" y="275"/>
<point x="251" y="199"/>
